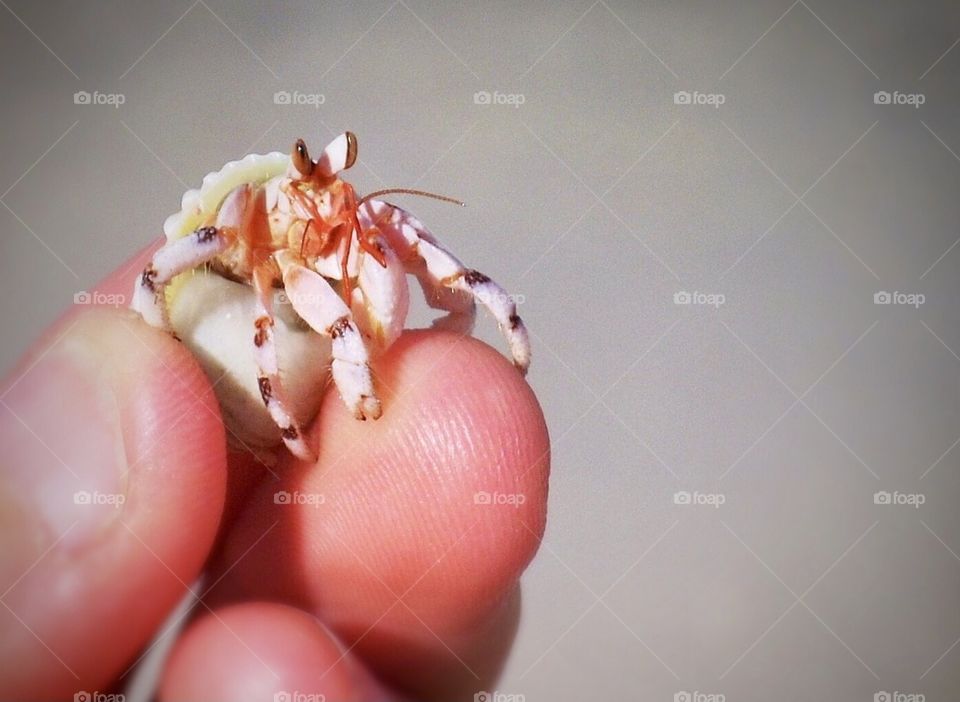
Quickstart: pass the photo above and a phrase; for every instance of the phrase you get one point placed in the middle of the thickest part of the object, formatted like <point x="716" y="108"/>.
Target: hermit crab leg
<point x="444" y="268"/>
<point x="459" y="306"/>
<point x="268" y="380"/>
<point x="321" y="307"/>
<point x="171" y="260"/>
<point x="419" y="248"/>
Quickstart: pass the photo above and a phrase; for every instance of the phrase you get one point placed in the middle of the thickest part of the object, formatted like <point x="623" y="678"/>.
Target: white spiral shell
<point x="200" y="203"/>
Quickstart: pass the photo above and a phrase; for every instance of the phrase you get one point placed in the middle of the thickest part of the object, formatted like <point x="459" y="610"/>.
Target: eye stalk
<point x="351" y="150"/>
<point x="301" y="158"/>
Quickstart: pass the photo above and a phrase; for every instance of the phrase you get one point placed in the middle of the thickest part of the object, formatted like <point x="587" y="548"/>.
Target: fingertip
<point x="442" y="500"/>
<point x="263" y="651"/>
<point x="463" y="418"/>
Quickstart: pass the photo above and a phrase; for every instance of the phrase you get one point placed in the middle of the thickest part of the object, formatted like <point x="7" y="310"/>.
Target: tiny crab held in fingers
<point x="279" y="221"/>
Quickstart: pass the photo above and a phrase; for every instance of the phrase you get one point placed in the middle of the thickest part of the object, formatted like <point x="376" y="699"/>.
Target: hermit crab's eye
<point x="351" y="150"/>
<point x="301" y="158"/>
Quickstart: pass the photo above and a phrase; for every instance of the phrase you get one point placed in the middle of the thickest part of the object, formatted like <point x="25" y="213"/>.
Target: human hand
<point x="381" y="576"/>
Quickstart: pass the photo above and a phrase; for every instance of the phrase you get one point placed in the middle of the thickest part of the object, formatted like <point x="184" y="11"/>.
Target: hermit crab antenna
<point x="408" y="191"/>
<point x="301" y="158"/>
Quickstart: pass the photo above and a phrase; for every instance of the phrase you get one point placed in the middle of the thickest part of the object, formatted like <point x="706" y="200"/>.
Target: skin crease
<point x="398" y="518"/>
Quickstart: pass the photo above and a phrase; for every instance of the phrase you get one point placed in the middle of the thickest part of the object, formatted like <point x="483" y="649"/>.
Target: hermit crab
<point x="314" y="265"/>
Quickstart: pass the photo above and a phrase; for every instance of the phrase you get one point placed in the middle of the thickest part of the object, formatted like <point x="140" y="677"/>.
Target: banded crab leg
<point x="268" y="379"/>
<point x="174" y="258"/>
<point x="459" y="306"/>
<point x="439" y="270"/>
<point x="319" y="305"/>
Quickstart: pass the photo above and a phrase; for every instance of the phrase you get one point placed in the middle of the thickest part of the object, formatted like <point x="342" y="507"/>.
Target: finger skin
<point x="394" y="543"/>
<point x="106" y="407"/>
<point x="262" y="651"/>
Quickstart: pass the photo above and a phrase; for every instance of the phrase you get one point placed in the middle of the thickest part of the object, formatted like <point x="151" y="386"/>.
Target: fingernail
<point x="63" y="438"/>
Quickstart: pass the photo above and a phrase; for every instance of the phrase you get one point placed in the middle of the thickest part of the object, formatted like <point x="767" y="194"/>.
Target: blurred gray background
<point x="778" y="402"/>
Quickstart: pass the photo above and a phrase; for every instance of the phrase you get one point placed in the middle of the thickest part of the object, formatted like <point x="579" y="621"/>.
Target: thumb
<point x="113" y="479"/>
